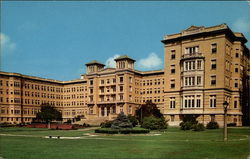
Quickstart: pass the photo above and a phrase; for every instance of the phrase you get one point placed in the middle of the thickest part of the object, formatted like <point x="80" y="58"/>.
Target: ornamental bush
<point x="189" y="122"/>
<point x="154" y="123"/>
<point x="133" y="120"/>
<point x="121" y="121"/>
<point x="212" y="125"/>
<point x="106" y="124"/>
<point x="186" y="125"/>
<point x="199" y="127"/>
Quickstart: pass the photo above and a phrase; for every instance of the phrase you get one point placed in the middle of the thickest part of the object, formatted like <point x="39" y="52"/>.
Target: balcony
<point x="192" y="55"/>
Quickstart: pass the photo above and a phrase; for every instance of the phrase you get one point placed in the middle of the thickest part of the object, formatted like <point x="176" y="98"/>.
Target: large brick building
<point x="204" y="66"/>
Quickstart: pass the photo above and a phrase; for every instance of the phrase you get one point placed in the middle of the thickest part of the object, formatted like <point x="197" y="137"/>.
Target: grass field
<point x="30" y="143"/>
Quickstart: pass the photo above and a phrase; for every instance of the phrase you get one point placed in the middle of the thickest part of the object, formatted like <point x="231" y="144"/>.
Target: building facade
<point x="203" y="68"/>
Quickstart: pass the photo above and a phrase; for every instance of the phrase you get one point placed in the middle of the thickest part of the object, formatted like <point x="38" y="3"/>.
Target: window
<point x="213" y="64"/>
<point x="199" y="64"/>
<point x="212" y="101"/>
<point x="198" y="101"/>
<point x="91" y="110"/>
<point x="213" y="80"/>
<point x="121" y="79"/>
<point x="172" y="54"/>
<point x="130" y="109"/>
<point x="192" y="50"/>
<point x="235" y="104"/>
<point x="130" y="89"/>
<point x="121" y="97"/>
<point x="172" y="102"/>
<point x="121" y="88"/>
<point x="91" y="82"/>
<point x="172" y="69"/>
<point x="102" y="81"/>
<point x="198" y="80"/>
<point x="130" y="80"/>
<point x="189" y="101"/>
<point x="121" y="108"/>
<point x="91" y="91"/>
<point x="236" y="83"/>
<point x="214" y="48"/>
<point x="236" y="54"/>
<point x="107" y="81"/>
<point x="236" y="69"/>
<point x="114" y="80"/>
<point x="172" y="84"/>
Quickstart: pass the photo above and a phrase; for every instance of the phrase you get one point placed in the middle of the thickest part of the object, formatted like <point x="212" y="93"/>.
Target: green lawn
<point x="173" y="144"/>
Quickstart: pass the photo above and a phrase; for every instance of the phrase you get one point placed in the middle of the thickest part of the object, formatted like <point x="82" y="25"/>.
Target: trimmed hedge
<point x="122" y="131"/>
<point x="107" y="131"/>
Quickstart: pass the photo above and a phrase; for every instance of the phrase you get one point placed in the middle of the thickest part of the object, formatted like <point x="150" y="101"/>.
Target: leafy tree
<point x="154" y="123"/>
<point x="148" y="109"/>
<point x="48" y="113"/>
<point x="121" y="121"/>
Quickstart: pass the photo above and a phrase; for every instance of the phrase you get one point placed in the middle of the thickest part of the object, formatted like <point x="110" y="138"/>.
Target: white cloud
<point x="242" y="25"/>
<point x="150" y="62"/>
<point x="110" y="62"/>
<point x="6" y="43"/>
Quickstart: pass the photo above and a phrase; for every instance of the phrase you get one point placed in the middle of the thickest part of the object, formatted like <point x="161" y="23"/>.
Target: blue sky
<point x="55" y="39"/>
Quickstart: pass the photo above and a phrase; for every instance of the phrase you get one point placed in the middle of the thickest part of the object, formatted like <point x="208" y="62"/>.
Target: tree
<point x="148" y="109"/>
<point x="121" y="121"/>
<point x="48" y="113"/>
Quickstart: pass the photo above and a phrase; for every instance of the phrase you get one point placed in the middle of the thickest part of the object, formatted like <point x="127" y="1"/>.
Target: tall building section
<point x="204" y="67"/>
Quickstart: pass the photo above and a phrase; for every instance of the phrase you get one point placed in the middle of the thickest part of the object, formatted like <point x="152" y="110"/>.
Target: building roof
<point x="124" y="57"/>
<point x="204" y="31"/>
<point x="94" y="62"/>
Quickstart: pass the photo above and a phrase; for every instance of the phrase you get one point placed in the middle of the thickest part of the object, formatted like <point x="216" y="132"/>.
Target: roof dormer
<point x="94" y="66"/>
<point x="124" y="62"/>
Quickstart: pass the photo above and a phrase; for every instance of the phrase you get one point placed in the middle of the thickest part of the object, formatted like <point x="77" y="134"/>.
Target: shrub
<point x="133" y="120"/>
<point x="122" y="131"/>
<point x="212" y="125"/>
<point x="6" y="124"/>
<point x="154" y="123"/>
<point x="231" y="124"/>
<point x="134" y="131"/>
<point x="199" y="127"/>
<point x="186" y="125"/>
<point x="121" y="121"/>
<point x="106" y="124"/>
<point x="107" y="131"/>
<point x="189" y="122"/>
